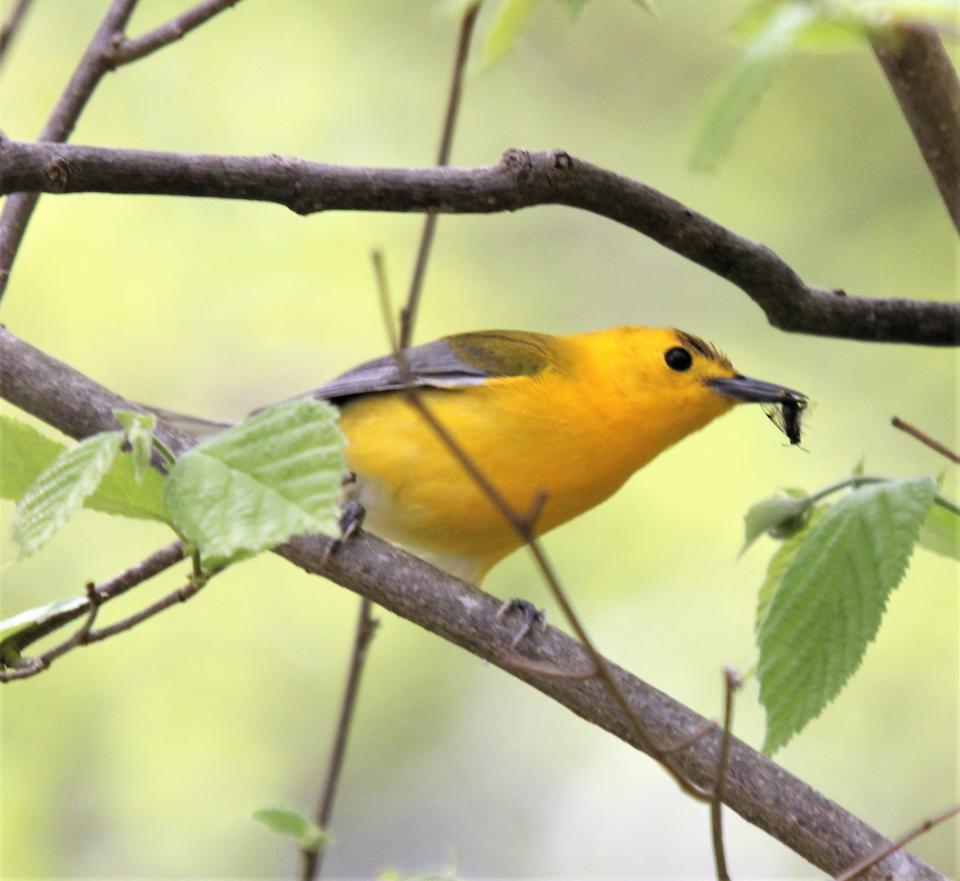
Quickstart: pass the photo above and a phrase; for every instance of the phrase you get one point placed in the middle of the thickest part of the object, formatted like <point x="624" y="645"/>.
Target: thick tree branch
<point x="520" y="180"/>
<point x="756" y="788"/>
<point x="927" y="88"/>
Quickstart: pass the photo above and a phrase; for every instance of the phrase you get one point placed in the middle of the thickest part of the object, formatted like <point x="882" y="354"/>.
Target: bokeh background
<point x="145" y="756"/>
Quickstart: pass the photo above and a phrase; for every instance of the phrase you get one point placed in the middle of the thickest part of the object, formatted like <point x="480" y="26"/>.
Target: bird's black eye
<point x="678" y="359"/>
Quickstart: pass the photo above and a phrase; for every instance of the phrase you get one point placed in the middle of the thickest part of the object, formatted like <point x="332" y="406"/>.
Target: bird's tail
<point x="195" y="426"/>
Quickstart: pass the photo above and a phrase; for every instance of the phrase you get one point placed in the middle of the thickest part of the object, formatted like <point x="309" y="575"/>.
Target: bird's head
<point x="680" y="382"/>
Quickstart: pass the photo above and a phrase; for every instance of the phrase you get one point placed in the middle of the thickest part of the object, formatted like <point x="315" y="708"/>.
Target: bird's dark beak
<point x="756" y="391"/>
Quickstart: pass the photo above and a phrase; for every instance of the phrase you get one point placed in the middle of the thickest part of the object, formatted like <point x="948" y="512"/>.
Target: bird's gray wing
<point x="453" y="362"/>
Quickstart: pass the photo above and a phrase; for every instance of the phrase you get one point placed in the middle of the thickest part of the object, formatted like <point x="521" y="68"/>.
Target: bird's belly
<point x="418" y="495"/>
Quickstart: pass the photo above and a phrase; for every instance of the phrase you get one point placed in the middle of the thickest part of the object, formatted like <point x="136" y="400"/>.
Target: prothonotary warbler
<point x="571" y="417"/>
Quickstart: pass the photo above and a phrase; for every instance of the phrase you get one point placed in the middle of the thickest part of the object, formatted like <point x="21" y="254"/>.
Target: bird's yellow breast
<point x="575" y="431"/>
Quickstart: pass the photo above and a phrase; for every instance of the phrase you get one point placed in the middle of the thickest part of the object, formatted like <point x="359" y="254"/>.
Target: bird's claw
<point x="352" y="514"/>
<point x="531" y="616"/>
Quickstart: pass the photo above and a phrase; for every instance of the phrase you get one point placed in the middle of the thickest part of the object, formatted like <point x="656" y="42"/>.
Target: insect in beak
<point x="790" y="403"/>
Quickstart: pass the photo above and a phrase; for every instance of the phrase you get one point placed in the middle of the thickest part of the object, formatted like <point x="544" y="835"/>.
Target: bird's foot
<point x="531" y="616"/>
<point x="352" y="514"/>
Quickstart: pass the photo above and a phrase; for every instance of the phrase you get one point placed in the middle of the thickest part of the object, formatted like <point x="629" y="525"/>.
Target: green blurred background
<point x="144" y="756"/>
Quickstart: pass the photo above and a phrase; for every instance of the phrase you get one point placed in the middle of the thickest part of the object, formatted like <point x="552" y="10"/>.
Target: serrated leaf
<point x="770" y="514"/>
<point x="508" y="23"/>
<point x="292" y="824"/>
<point x="30" y="618"/>
<point x="940" y="532"/>
<point x="257" y="484"/>
<point x="26" y="453"/>
<point x="778" y="563"/>
<point x="741" y="91"/>
<point x="60" y="491"/>
<point x="139" y="428"/>
<point x="831" y="597"/>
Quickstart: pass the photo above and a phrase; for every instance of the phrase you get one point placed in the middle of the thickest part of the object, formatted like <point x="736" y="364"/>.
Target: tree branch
<point x="108" y="50"/>
<point x="156" y="563"/>
<point x="408" y="315"/>
<point x="93" y="65"/>
<point x="926" y="440"/>
<point x="731" y="682"/>
<point x="920" y="829"/>
<point x="520" y="180"/>
<point x="312" y="860"/>
<point x="12" y="25"/>
<point x="86" y="635"/>
<point x="926" y="86"/>
<point x="759" y="790"/>
<point x="130" y="50"/>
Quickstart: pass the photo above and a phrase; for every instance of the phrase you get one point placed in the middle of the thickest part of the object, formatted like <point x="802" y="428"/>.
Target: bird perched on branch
<point x="557" y="422"/>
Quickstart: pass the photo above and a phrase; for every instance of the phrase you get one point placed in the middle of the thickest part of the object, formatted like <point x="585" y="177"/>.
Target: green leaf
<point x="779" y="561"/>
<point x="139" y="428"/>
<point x="831" y="597"/>
<point x="59" y="492"/>
<point x="510" y="20"/>
<point x="119" y="493"/>
<point x="257" y="484"/>
<point x="784" y="513"/>
<point x="26" y="453"/>
<point x="30" y="618"/>
<point x="285" y="821"/>
<point x="738" y="95"/>
<point x="940" y="532"/>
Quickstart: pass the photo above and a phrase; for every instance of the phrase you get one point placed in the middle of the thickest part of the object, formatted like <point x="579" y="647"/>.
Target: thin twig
<point x="99" y="59"/>
<point x="521" y="180"/>
<point x="11" y="26"/>
<point x="312" y="860"/>
<point x="180" y="595"/>
<point x="33" y="666"/>
<point x="85" y="635"/>
<point x="690" y="740"/>
<point x="93" y="65"/>
<point x="731" y="682"/>
<point x="924" y="438"/>
<point x="130" y="50"/>
<point x="519" y="664"/>
<point x="157" y="562"/>
<point x="408" y="315"/>
<point x="800" y="817"/>
<point x="526" y="533"/>
<point x="899" y="843"/>
<point x="927" y="88"/>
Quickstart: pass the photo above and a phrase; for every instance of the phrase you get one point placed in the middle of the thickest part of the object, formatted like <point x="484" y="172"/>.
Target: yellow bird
<point x="571" y="417"/>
